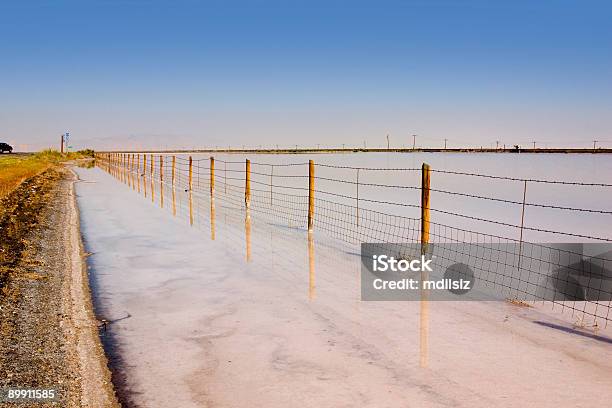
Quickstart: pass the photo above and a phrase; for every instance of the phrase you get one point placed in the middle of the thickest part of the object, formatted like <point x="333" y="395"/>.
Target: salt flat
<point x="209" y="327"/>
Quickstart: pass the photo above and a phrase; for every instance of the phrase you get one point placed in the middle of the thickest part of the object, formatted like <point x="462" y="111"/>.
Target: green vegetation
<point x="15" y="168"/>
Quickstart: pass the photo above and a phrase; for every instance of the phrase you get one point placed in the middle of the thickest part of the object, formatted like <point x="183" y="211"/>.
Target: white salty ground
<point x="208" y="328"/>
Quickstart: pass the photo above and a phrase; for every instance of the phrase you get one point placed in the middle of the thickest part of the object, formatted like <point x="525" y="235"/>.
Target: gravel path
<point x="49" y="335"/>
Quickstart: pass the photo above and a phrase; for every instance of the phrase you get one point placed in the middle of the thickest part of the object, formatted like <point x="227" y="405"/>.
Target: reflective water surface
<point x="230" y="307"/>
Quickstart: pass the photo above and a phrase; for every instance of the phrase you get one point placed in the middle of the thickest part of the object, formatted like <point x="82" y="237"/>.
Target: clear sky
<point x="130" y="74"/>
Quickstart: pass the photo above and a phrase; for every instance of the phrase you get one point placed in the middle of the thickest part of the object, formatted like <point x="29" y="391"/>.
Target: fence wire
<point x="382" y="205"/>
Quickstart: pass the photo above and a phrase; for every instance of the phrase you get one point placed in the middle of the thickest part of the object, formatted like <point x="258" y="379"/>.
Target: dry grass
<point x="15" y="168"/>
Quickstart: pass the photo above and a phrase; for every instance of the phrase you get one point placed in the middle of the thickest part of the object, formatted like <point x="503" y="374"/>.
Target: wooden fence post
<point x="311" y="203"/>
<point x="173" y="170"/>
<point x="190" y="173"/>
<point x="247" y="184"/>
<point x="128" y="174"/>
<point x="152" y="178"/>
<point x="424" y="303"/>
<point x="161" y="168"/>
<point x="144" y="164"/>
<point x="425" y="180"/>
<point x="212" y="177"/>
<point x="132" y="171"/>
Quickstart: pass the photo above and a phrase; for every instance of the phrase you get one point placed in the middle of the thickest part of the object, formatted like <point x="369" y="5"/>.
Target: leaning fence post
<point x="190" y="173"/>
<point x="212" y="177"/>
<point x="144" y="165"/>
<point x="310" y="195"/>
<point x="247" y="184"/>
<point x="424" y="303"/>
<point x="152" y="167"/>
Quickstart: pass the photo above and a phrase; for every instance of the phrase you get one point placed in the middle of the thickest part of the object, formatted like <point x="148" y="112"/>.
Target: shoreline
<point x="49" y="331"/>
<point x="96" y="386"/>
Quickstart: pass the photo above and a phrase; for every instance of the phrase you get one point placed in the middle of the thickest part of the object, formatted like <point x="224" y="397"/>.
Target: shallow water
<point x="262" y="316"/>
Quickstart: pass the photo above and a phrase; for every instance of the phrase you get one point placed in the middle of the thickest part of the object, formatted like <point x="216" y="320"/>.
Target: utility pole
<point x="534" y="145"/>
<point x="387" y="141"/>
<point x="445" y="140"/>
<point x="414" y="141"/>
<point x="496" y="144"/>
<point x="594" y="143"/>
<point x="62" y="144"/>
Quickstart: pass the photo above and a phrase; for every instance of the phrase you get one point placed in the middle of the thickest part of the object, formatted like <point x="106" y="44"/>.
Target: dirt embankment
<point x="48" y="334"/>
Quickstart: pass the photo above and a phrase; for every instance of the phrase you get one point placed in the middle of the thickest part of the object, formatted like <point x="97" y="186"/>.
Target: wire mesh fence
<point x="384" y="205"/>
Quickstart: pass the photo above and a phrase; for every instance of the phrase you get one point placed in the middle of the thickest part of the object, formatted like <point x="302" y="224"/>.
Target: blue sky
<point x="203" y="73"/>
